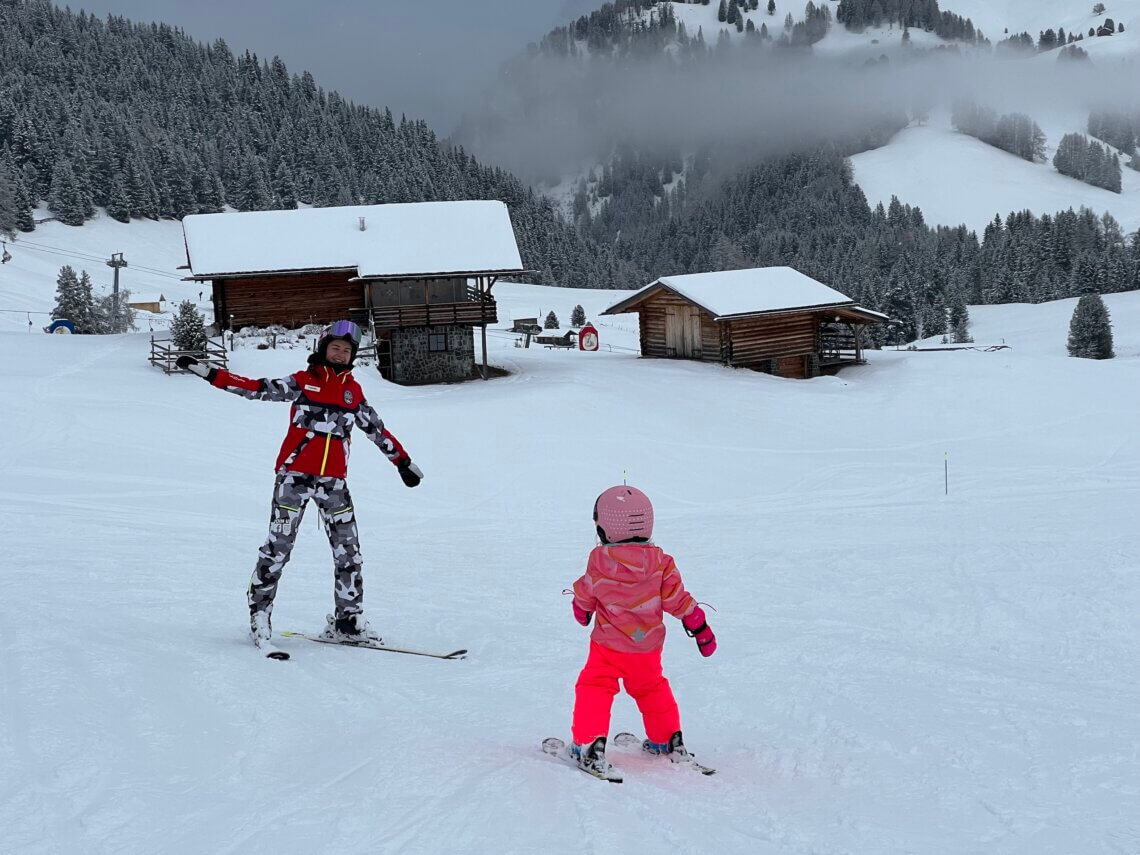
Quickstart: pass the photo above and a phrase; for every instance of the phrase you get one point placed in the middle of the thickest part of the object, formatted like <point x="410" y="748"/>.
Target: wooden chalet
<point x="771" y="319"/>
<point x="417" y="276"/>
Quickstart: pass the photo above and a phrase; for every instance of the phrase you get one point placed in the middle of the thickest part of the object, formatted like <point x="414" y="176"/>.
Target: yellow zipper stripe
<point x="325" y="459"/>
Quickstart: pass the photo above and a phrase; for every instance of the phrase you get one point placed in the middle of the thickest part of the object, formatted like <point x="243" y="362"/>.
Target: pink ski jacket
<point x="628" y="586"/>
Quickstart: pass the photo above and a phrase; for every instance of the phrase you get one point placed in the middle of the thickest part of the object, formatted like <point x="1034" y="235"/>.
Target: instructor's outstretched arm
<point x="369" y="421"/>
<point x="281" y="389"/>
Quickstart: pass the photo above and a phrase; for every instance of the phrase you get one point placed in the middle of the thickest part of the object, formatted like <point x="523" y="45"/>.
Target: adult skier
<point x="312" y="464"/>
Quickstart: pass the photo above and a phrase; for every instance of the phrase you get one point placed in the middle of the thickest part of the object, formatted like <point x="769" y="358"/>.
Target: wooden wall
<point x="653" y="342"/>
<point x="289" y="300"/>
<point x="788" y="339"/>
<point x="782" y="344"/>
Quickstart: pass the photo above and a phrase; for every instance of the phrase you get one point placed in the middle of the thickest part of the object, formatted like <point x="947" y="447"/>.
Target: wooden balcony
<point x="468" y="313"/>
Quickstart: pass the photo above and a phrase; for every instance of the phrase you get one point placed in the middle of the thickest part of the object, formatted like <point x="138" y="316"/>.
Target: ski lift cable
<point x="73" y="253"/>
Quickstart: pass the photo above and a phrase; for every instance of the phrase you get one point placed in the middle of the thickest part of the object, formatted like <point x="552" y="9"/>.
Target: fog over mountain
<point x="426" y="61"/>
<point x="551" y="115"/>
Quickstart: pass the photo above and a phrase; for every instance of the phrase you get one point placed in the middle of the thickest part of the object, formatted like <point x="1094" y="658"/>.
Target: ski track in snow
<point x="899" y="670"/>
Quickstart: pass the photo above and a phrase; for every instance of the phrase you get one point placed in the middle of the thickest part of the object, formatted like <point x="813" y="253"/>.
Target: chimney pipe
<point x="362" y="226"/>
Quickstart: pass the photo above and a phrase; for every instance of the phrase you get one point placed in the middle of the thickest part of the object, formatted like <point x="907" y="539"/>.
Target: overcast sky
<point x="424" y="58"/>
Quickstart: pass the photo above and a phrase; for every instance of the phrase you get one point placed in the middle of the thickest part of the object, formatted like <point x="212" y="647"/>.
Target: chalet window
<point x="437" y="342"/>
<point x="446" y="291"/>
<point x="412" y="292"/>
<point x="385" y="294"/>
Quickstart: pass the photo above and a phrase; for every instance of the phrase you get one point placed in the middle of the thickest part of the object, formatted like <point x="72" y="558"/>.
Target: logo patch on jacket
<point x="348" y="396"/>
<point x="309" y="388"/>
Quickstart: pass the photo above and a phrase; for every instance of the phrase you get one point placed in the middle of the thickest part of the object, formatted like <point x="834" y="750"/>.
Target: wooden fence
<point x="163" y="354"/>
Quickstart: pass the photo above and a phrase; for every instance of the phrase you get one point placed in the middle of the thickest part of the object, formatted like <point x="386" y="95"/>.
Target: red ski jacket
<point x="325" y="407"/>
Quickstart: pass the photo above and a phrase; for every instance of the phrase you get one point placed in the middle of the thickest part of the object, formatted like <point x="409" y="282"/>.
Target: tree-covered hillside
<point x="141" y="120"/>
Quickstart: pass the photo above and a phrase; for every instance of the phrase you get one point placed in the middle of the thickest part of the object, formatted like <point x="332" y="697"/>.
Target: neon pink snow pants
<point x="598" y="683"/>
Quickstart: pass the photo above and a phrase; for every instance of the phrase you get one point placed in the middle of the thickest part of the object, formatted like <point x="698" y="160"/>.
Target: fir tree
<point x="74" y="300"/>
<point x="577" y="316"/>
<point x="66" y="199"/>
<point x="771" y="7"/>
<point x="958" y="319"/>
<point x="252" y="193"/>
<point x="722" y="12"/>
<point x="25" y="220"/>
<point x="1090" y="330"/>
<point x="551" y="322"/>
<point x="7" y="205"/>
<point x="118" y="202"/>
<point x="188" y="331"/>
<point x="285" y="192"/>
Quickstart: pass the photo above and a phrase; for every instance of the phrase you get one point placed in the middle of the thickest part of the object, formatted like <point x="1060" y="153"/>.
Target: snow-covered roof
<point x="757" y="290"/>
<point x="399" y="240"/>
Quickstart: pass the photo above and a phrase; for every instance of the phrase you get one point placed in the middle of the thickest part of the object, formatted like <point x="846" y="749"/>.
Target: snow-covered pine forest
<point x="144" y="123"/>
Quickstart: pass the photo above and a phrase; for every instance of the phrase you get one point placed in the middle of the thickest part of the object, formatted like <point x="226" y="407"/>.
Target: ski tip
<point x="457" y="654"/>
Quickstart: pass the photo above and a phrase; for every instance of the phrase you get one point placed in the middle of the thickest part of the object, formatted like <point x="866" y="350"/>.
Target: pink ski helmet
<point x="624" y="515"/>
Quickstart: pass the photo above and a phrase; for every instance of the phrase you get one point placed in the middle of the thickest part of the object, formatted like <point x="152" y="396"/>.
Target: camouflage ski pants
<point x="291" y="492"/>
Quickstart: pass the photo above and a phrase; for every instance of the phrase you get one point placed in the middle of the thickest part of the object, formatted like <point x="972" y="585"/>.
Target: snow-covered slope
<point x="1034" y="16"/>
<point x="899" y="670"/>
<point x="955" y="178"/>
<point x="153" y="250"/>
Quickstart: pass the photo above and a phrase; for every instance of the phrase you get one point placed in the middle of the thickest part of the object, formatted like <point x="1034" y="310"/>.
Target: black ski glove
<point x="409" y="472"/>
<point x="189" y="363"/>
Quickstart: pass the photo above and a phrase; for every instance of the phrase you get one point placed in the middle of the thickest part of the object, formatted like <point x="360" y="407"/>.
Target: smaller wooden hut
<point x="771" y="319"/>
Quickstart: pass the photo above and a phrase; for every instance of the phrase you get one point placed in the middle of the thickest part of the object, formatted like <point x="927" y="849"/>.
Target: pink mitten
<point x="696" y="627"/>
<point x="580" y="614"/>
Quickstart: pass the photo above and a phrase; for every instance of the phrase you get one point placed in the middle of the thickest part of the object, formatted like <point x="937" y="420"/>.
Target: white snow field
<point x="955" y="178"/>
<point x="153" y="251"/>
<point x="1034" y="16"/>
<point x="899" y="670"/>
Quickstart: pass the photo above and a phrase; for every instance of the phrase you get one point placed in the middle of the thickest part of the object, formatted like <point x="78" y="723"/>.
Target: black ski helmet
<point x="338" y="331"/>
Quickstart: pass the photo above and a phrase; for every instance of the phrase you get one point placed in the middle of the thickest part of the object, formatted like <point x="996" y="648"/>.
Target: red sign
<point x="587" y="338"/>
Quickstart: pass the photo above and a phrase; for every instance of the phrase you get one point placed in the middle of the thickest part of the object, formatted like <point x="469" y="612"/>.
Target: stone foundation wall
<point x="412" y="362"/>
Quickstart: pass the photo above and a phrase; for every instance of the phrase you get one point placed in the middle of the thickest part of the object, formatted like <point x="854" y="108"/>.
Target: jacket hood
<point x="628" y="562"/>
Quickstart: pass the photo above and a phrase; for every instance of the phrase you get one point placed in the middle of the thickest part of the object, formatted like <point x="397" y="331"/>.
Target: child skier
<point x="627" y="585"/>
<point x="312" y="464"/>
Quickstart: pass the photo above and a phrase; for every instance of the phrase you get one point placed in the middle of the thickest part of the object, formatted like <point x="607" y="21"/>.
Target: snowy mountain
<point x="899" y="670"/>
<point x="955" y="178"/>
<point x="927" y="164"/>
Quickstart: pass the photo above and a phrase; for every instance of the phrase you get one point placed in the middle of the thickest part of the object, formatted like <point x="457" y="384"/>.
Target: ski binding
<point x="558" y="749"/>
<point x="629" y="740"/>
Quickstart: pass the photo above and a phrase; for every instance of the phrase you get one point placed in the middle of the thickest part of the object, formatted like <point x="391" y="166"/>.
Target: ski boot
<point x="592" y="758"/>
<point x="351" y="628"/>
<point x="260" y="627"/>
<point x="674" y="748"/>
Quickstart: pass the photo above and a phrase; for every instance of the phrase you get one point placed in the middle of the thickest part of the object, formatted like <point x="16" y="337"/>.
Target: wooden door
<point x="682" y="331"/>
<point x="693" y="330"/>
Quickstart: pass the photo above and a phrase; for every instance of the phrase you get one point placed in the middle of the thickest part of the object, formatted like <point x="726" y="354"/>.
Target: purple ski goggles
<point x="343" y="329"/>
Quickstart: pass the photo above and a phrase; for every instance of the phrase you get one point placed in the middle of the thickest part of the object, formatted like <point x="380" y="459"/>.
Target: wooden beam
<point x="483" y="327"/>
